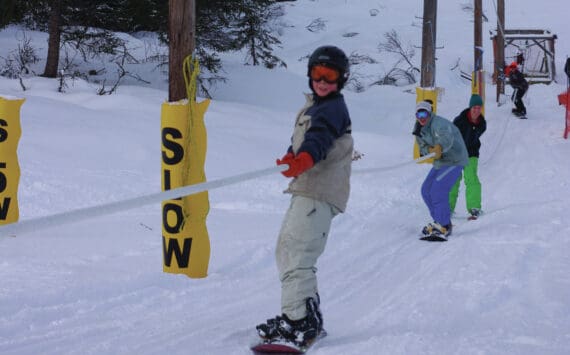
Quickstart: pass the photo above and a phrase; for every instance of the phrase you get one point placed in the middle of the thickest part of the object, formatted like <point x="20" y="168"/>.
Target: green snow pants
<point x="472" y="187"/>
<point x="301" y="241"/>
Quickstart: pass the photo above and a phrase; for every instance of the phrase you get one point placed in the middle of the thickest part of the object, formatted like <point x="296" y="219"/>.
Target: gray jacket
<point x="329" y="179"/>
<point x="440" y="131"/>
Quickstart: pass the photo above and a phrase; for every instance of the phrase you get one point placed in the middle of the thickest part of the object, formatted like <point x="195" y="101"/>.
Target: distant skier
<point x="472" y="125"/>
<point x="319" y="160"/>
<point x="520" y="86"/>
<point x="440" y="136"/>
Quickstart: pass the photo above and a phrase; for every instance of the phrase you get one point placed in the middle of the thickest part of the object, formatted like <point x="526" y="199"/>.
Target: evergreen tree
<point x="251" y="31"/>
<point x="88" y="24"/>
<point x="10" y="12"/>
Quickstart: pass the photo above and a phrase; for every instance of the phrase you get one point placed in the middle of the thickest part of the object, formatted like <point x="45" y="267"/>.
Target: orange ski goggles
<point x="328" y="74"/>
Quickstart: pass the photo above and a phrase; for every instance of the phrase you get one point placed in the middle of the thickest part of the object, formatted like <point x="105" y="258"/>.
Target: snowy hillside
<point x="500" y="285"/>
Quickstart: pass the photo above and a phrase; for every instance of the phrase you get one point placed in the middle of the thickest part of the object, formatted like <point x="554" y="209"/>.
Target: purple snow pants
<point x="435" y="192"/>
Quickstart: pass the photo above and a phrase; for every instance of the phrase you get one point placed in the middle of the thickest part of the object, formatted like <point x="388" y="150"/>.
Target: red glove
<point x="286" y="159"/>
<point x="297" y="165"/>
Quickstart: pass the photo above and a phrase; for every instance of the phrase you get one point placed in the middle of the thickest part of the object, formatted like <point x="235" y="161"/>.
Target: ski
<point x="283" y="346"/>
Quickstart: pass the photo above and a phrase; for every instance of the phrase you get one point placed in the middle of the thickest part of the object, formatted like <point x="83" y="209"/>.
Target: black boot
<point x="303" y="331"/>
<point x="269" y="329"/>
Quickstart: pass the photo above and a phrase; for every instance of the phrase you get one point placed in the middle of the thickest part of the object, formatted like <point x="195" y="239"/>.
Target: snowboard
<point x="433" y="238"/>
<point x="284" y="347"/>
<point x="519" y="115"/>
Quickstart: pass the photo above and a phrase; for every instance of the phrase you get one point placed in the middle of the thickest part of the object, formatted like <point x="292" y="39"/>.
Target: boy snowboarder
<point x="472" y="125"/>
<point x="520" y="86"/>
<point x="441" y="137"/>
<point x="319" y="160"/>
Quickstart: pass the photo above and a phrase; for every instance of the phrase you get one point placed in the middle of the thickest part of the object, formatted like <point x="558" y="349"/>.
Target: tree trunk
<point x="54" y="39"/>
<point x="181" y="36"/>
<point x="8" y="13"/>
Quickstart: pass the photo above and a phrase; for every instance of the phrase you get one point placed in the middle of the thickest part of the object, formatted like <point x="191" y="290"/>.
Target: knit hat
<point x="423" y="105"/>
<point x="475" y="100"/>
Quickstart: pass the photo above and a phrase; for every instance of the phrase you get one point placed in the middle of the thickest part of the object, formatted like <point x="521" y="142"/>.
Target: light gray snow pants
<point x="301" y="241"/>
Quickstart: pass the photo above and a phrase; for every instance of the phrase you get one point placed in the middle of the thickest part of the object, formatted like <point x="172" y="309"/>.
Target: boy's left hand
<point x="297" y="165"/>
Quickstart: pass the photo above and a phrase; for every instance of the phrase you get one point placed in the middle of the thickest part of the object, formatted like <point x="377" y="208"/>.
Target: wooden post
<point x="181" y="35"/>
<point x="478" y="75"/>
<point x="478" y="36"/>
<point x="427" y="90"/>
<point x="500" y="46"/>
<point x="429" y="43"/>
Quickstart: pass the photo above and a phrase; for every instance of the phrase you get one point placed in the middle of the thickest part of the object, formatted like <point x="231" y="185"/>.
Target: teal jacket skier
<point x="441" y="137"/>
<point x="472" y="125"/>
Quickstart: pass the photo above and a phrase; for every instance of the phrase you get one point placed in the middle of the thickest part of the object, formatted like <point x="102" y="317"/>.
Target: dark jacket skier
<point x="472" y="125"/>
<point x="520" y="86"/>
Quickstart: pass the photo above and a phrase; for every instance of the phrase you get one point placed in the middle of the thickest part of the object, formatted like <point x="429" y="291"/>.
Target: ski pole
<point x="374" y="170"/>
<point x="82" y="214"/>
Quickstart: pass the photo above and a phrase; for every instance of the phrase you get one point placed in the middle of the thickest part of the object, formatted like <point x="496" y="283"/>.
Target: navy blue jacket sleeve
<point x="329" y="121"/>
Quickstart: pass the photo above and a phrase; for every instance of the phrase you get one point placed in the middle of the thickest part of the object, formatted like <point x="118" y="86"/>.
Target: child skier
<point x="520" y="86"/>
<point x="319" y="160"/>
<point x="472" y="125"/>
<point x="441" y="137"/>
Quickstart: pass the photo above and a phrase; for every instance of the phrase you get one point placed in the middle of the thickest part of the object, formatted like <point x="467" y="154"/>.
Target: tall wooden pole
<point x="181" y="36"/>
<point x="427" y="90"/>
<point x="478" y="36"/>
<point x="428" y="43"/>
<point x="500" y="61"/>
<point x="478" y="75"/>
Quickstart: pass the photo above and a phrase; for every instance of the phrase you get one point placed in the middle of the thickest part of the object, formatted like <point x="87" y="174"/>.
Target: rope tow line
<point x="81" y="214"/>
<point x="375" y="170"/>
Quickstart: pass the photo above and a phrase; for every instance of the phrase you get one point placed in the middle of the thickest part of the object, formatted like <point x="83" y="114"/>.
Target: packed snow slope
<point x="500" y="285"/>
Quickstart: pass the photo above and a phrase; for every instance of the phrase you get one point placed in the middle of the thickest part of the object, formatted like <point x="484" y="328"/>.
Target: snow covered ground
<point x="500" y="285"/>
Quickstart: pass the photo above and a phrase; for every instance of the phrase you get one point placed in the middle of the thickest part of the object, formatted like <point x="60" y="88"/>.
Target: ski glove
<point x="437" y="150"/>
<point x="287" y="157"/>
<point x="297" y="164"/>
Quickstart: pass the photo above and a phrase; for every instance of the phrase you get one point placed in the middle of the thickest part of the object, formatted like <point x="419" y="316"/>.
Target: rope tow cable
<point x="374" y="170"/>
<point x="82" y="214"/>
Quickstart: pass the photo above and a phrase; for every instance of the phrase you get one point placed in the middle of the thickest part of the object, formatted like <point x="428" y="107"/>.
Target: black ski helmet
<point x="331" y="56"/>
